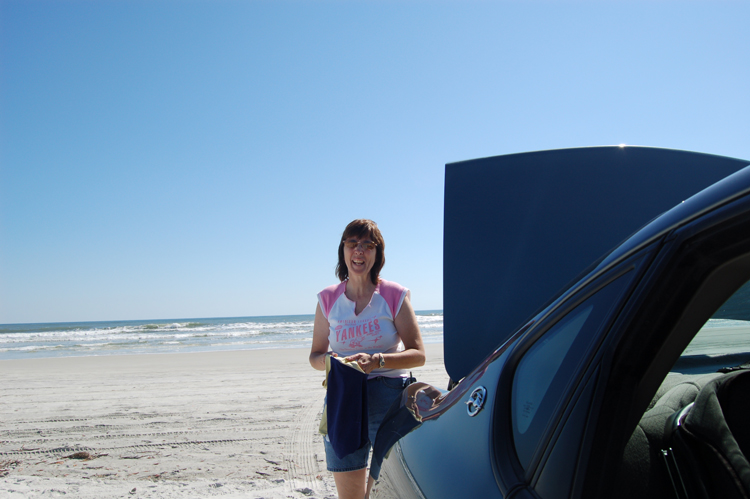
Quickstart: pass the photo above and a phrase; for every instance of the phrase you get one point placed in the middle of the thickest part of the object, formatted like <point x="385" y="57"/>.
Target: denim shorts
<point x="381" y="392"/>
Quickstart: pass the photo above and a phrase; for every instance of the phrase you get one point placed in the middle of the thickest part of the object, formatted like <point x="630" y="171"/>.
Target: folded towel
<point x="345" y="415"/>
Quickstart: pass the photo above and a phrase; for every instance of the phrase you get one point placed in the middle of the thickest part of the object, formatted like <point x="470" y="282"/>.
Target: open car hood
<point x="518" y="228"/>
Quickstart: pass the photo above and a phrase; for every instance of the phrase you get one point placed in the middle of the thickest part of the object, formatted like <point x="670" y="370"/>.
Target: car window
<point x="545" y="371"/>
<point x="723" y="341"/>
<point x="540" y="366"/>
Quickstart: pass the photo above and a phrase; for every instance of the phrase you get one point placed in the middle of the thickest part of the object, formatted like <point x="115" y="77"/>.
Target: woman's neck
<point x="359" y="287"/>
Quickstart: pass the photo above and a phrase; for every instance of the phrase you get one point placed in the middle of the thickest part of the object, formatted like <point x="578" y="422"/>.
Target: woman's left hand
<point x="366" y="361"/>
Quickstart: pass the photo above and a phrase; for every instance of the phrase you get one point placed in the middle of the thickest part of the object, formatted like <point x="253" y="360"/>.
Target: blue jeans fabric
<point x="381" y="392"/>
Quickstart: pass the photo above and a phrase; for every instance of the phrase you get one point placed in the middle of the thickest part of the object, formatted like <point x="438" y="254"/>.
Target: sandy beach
<point x="229" y="424"/>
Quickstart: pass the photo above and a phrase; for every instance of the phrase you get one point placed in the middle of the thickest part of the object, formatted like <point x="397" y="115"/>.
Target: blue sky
<point x="165" y="159"/>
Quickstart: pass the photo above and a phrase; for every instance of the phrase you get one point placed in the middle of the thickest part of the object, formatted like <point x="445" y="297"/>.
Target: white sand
<point x="230" y="424"/>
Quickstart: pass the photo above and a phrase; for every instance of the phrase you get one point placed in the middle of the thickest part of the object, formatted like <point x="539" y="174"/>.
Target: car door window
<point x="547" y="368"/>
<point x="723" y="339"/>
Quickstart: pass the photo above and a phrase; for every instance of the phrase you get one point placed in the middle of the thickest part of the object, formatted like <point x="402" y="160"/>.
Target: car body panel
<point x="518" y="228"/>
<point x="452" y="427"/>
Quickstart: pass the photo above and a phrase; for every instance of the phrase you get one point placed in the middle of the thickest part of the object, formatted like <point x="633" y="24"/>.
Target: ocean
<point x="77" y="339"/>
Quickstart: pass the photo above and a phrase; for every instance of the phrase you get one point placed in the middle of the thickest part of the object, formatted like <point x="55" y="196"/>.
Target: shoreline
<point x="261" y="355"/>
<point x="186" y="352"/>
<point x="240" y="423"/>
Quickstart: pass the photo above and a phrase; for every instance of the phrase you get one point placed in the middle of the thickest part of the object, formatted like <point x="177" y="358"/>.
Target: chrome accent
<point x="476" y="401"/>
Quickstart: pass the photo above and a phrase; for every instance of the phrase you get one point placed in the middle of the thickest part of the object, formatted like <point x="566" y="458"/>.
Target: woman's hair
<point x="360" y="229"/>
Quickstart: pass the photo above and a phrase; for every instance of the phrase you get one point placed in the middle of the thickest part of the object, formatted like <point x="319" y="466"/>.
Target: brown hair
<point x="362" y="228"/>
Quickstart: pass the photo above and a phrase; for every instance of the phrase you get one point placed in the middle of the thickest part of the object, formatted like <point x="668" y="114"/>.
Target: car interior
<point x="694" y="438"/>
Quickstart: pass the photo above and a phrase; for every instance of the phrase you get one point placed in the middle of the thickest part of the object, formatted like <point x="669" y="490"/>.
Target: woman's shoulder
<point x="393" y="293"/>
<point x="390" y="286"/>
<point x="329" y="295"/>
<point x="334" y="288"/>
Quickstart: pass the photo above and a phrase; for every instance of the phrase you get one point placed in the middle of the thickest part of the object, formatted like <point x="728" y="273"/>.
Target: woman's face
<point x="359" y="254"/>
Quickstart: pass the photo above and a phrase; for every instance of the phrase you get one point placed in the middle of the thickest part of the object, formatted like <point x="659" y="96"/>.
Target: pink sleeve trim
<point x="329" y="295"/>
<point x="394" y="295"/>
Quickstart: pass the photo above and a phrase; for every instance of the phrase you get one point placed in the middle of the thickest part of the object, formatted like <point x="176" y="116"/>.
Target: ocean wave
<point x="180" y="335"/>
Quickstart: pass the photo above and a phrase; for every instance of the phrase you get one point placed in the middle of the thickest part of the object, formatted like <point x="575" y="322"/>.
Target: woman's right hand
<point x="367" y="362"/>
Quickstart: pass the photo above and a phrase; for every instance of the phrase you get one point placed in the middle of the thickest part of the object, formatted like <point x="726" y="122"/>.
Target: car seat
<point x="707" y="442"/>
<point x="643" y="472"/>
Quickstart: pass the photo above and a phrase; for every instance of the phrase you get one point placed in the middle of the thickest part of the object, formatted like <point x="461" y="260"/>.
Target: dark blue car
<point x="597" y="332"/>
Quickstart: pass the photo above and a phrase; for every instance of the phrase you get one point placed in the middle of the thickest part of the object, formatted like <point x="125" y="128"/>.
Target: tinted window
<point x="546" y="370"/>
<point x="536" y="372"/>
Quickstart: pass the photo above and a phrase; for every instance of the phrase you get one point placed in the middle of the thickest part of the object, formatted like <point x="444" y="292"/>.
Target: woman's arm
<point x="320" y="345"/>
<point x="408" y="330"/>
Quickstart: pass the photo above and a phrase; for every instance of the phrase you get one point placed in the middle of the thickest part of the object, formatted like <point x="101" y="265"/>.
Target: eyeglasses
<point x="366" y="245"/>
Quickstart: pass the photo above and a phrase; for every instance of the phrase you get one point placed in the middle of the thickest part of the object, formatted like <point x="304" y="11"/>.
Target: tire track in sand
<point x="300" y="456"/>
<point x="137" y="447"/>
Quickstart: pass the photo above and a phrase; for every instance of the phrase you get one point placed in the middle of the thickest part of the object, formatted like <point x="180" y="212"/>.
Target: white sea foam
<point x="182" y="335"/>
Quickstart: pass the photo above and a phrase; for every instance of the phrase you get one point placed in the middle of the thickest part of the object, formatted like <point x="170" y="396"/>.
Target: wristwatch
<point x="382" y="361"/>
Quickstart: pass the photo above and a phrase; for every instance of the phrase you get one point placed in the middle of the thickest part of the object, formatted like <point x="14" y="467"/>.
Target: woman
<point x="370" y="321"/>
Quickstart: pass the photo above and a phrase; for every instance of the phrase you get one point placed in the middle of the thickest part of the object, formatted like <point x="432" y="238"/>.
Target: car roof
<point x="518" y="228"/>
